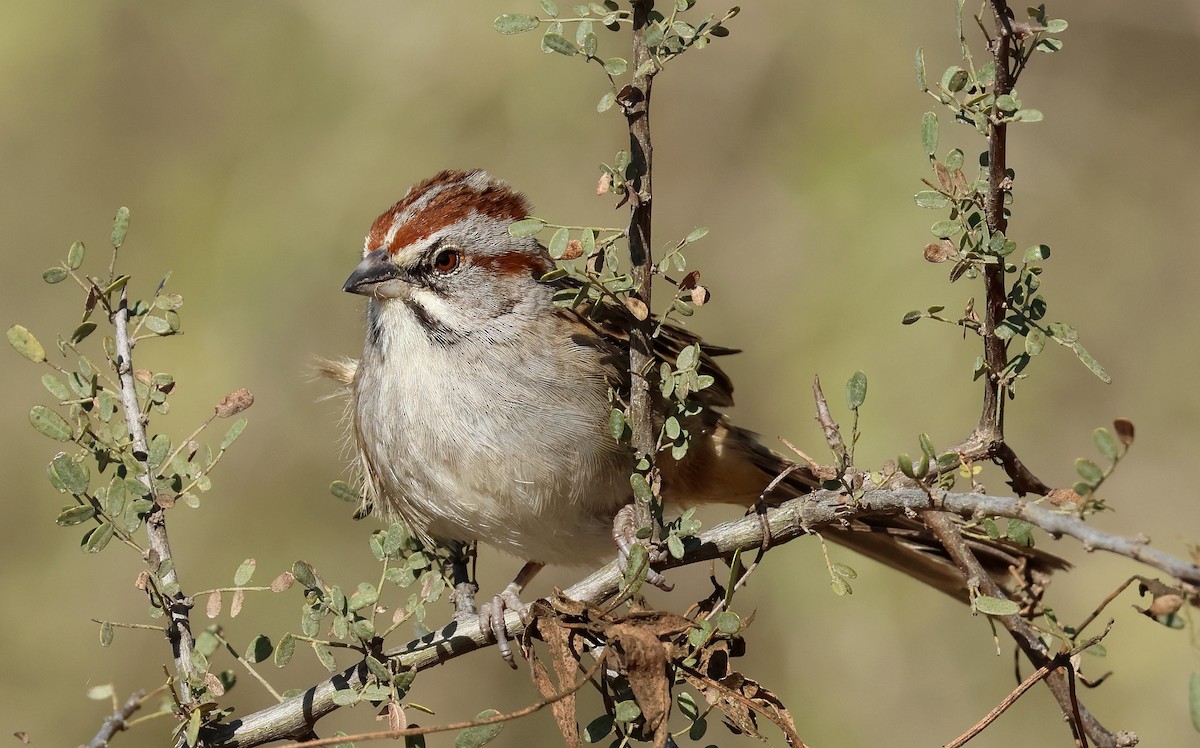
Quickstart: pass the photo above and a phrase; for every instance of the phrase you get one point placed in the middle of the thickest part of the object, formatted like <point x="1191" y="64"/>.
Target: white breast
<point x="491" y="441"/>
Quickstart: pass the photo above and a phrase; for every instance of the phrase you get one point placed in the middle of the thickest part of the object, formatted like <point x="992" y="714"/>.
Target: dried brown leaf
<point x="282" y="582"/>
<point x="1064" y="496"/>
<point x="233" y="403"/>
<point x="940" y="251"/>
<point x="213" y="684"/>
<point x="690" y="281"/>
<point x="603" y="185"/>
<point x="574" y="250"/>
<point x="644" y="662"/>
<point x="700" y="295"/>
<point x="636" y="307"/>
<point x="1124" y="429"/>
<point x="943" y="176"/>
<point x="212" y="608"/>
<point x="235" y="605"/>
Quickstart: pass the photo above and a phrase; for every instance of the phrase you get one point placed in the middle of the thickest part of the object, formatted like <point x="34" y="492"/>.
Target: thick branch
<point x="785" y="522"/>
<point x="635" y="103"/>
<point x="179" y="630"/>
<point x="995" y="350"/>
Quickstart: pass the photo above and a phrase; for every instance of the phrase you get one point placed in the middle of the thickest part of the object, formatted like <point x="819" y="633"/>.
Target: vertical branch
<point x="990" y="431"/>
<point x="179" y="630"/>
<point x="635" y="103"/>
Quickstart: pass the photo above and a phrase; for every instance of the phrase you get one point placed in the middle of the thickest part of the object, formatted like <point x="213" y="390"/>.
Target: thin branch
<point x="179" y="629"/>
<point x="1061" y="660"/>
<point x="1082" y="722"/>
<point x="117" y="721"/>
<point x="786" y="522"/>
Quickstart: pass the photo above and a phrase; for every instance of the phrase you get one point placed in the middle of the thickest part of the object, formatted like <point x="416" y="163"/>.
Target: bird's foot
<point x="491" y="618"/>
<point x="624" y="532"/>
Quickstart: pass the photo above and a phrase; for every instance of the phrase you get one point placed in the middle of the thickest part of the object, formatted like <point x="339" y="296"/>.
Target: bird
<point x="480" y="408"/>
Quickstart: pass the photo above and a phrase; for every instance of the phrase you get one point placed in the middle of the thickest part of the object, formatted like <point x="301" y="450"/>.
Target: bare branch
<point x="116" y="721"/>
<point x="179" y="629"/>
<point x="784" y="523"/>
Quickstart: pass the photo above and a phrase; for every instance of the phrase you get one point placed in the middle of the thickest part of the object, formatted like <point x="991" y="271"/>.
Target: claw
<point x="624" y="532"/>
<point x="491" y="618"/>
<point x="491" y="614"/>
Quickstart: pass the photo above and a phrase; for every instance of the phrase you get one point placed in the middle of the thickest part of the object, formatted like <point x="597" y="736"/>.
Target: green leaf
<point x="244" y="572"/>
<point x="1106" y="443"/>
<point x="120" y="227"/>
<point x="1089" y="471"/>
<point x="285" y="650"/>
<point x="606" y="102"/>
<point x="1049" y="45"/>
<point x="342" y="490"/>
<point x="728" y="622"/>
<point x="100" y="693"/>
<point x="1029" y="115"/>
<point x="81" y="332"/>
<point x="598" y="729"/>
<point x="955" y="79"/>
<point x="55" y="275"/>
<point x="929" y="132"/>
<point x="1194" y="700"/>
<point x="55" y="386"/>
<point x="945" y="229"/>
<point x="840" y="587"/>
<point x="233" y="433"/>
<point x="345" y="697"/>
<point x="1020" y="532"/>
<point x="1035" y="341"/>
<point x="995" y="606"/>
<point x="305" y="575"/>
<point x="550" y="7"/>
<point x="954" y="159"/>
<point x="627" y="711"/>
<point x="157" y="325"/>
<point x="842" y="570"/>
<point x="688" y="358"/>
<point x="525" y="227"/>
<point x="641" y="489"/>
<point x="856" y="390"/>
<point x="106" y="634"/>
<point x="26" y="344"/>
<point x="1057" y="26"/>
<point x="515" y="23"/>
<point x="69" y="473"/>
<point x="558" y="243"/>
<point x="1006" y="103"/>
<point x="1091" y="363"/>
<point x="931" y="199"/>
<point x="75" y="515"/>
<point x="616" y="423"/>
<point x="50" y="423"/>
<point x="97" y="538"/>
<point x="919" y="68"/>
<point x="560" y="44"/>
<point x="911" y="317"/>
<point x="479" y="735"/>
<point x="75" y="256"/>
<point x="675" y="546"/>
<point x="259" y="649"/>
<point x="615" y="66"/>
<point x="366" y="596"/>
<point x="1036" y="254"/>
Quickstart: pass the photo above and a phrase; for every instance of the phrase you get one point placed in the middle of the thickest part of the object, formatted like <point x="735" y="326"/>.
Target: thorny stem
<point x="179" y="629"/>
<point x="635" y="103"/>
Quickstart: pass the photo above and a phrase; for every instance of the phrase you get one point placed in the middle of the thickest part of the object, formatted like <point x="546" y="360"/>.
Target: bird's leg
<point x="491" y="614"/>
<point x="463" y="586"/>
<point x="624" y="532"/>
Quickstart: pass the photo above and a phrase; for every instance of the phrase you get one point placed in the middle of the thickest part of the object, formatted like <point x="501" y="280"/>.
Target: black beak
<point x="375" y="268"/>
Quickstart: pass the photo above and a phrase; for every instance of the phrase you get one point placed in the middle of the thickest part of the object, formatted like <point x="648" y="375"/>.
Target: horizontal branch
<point x="786" y="522"/>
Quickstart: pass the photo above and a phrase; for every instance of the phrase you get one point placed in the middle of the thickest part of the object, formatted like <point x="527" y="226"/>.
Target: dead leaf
<point x="604" y="184"/>
<point x="574" y="250"/>
<point x="700" y="295"/>
<point x="643" y="659"/>
<point x="636" y="307"/>
<point x="554" y="634"/>
<point x="235" y="605"/>
<point x="1124" y="429"/>
<point x="233" y="403"/>
<point x="936" y="252"/>
<point x="212" y="608"/>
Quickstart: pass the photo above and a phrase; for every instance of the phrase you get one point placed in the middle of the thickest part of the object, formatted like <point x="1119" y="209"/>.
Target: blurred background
<point x="256" y="142"/>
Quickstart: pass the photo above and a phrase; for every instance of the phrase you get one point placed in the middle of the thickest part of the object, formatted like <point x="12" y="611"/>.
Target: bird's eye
<point x="445" y="261"/>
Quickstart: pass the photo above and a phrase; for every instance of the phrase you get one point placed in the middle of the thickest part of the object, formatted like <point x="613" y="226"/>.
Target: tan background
<point x="255" y="142"/>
